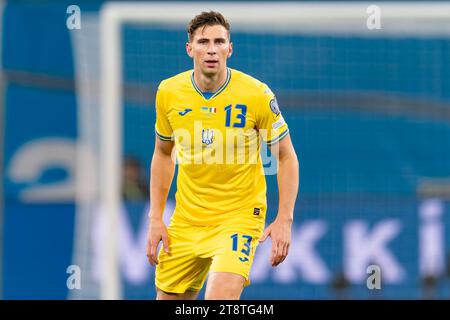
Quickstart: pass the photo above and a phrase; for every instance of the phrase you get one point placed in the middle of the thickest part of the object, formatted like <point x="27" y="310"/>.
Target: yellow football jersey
<point x="217" y="142"/>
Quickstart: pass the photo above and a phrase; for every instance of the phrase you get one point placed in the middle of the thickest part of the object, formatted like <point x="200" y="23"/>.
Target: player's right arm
<point x="162" y="170"/>
<point x="161" y="176"/>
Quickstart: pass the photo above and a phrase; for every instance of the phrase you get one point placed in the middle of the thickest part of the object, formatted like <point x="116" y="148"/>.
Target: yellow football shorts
<point x="197" y="250"/>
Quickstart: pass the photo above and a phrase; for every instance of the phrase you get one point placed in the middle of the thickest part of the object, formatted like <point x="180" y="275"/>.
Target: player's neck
<point x="210" y="83"/>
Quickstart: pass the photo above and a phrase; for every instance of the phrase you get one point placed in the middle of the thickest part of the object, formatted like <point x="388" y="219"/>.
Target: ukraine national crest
<point x="207" y="136"/>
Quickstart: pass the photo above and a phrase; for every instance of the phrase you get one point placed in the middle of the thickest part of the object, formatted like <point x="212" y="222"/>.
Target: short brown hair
<point x="210" y="18"/>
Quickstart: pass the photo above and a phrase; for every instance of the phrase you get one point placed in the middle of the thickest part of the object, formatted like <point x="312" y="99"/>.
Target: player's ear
<point x="189" y="49"/>
<point x="230" y="50"/>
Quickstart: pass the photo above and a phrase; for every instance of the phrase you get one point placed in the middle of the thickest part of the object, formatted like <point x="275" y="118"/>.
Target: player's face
<point x="210" y="48"/>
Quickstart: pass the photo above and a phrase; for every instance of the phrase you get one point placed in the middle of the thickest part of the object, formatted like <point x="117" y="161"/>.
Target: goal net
<point x="365" y="91"/>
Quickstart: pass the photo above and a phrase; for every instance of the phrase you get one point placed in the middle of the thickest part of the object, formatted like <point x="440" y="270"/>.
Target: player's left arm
<point x="288" y="181"/>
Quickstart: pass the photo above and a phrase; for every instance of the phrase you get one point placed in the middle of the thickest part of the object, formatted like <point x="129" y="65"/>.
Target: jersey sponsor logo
<point x="182" y="113"/>
<point x="256" y="211"/>
<point x="274" y="106"/>
<point x="207" y="136"/>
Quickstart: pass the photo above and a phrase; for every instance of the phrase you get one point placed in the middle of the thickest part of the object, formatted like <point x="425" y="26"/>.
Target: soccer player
<point x="221" y="189"/>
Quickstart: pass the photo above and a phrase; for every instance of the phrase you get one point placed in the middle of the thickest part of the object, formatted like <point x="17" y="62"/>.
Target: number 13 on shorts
<point x="245" y="245"/>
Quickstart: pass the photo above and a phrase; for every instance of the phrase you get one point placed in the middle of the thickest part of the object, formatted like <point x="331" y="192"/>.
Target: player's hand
<point x="157" y="231"/>
<point x="280" y="232"/>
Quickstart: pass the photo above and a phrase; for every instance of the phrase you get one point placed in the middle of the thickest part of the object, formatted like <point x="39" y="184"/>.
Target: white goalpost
<point x="397" y="19"/>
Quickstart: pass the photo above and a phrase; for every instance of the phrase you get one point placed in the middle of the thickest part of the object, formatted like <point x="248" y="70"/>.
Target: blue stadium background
<point x="369" y="118"/>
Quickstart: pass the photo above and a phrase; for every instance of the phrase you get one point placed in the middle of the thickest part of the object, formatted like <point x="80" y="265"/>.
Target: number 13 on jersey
<point x="239" y="120"/>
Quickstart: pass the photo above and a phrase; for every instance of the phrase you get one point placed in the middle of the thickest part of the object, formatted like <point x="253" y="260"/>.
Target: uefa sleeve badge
<point x="274" y="106"/>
